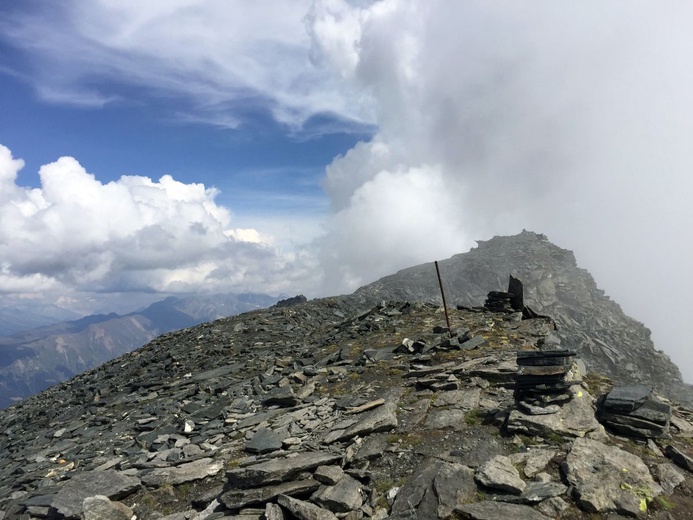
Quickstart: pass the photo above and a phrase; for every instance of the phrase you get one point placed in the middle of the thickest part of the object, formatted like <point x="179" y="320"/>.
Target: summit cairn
<point x="541" y="386"/>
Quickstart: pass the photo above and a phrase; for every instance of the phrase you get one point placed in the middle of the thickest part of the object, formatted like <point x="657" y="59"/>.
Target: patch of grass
<point x="555" y="438"/>
<point x="474" y="417"/>
<point x="407" y="440"/>
<point x="665" y="503"/>
<point x="384" y="485"/>
<point x="597" y="384"/>
<point x="233" y="463"/>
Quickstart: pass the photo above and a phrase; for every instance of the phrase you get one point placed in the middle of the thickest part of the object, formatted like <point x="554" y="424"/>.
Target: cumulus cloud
<point x="76" y="234"/>
<point x="570" y="119"/>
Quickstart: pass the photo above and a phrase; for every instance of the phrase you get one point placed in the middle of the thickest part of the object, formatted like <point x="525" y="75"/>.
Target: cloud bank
<point x="570" y="119"/>
<point x="75" y="234"/>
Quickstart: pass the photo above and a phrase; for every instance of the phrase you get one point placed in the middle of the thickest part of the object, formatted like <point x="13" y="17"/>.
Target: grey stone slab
<point x="680" y="458"/>
<point x="187" y="472"/>
<point x="453" y="486"/>
<point x="668" y="476"/>
<point x="264" y="440"/>
<point x="110" y="483"/>
<point x="100" y="507"/>
<point x="381" y="419"/>
<point x="453" y="418"/>
<point x="342" y="497"/>
<point x="499" y="510"/>
<point x="279" y="470"/>
<point x="281" y="396"/>
<point x="500" y="473"/>
<point x="627" y="398"/>
<point x="607" y="478"/>
<point x="305" y="510"/>
<point x="418" y="494"/>
<point x="329" y="475"/>
<point x="466" y="399"/>
<point x="238" y="498"/>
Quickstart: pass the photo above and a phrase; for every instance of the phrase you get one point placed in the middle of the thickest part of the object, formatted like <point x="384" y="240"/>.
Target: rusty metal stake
<point x="442" y="293"/>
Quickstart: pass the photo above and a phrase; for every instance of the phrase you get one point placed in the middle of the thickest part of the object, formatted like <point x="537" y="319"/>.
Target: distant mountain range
<point x="35" y="359"/>
<point x="15" y="318"/>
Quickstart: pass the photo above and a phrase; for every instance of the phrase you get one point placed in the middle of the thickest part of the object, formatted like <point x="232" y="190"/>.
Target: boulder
<point x="609" y="479"/>
<point x="187" y="472"/>
<point x="99" y="507"/>
<point x="342" y="497"/>
<point x="264" y="440"/>
<point x="279" y="470"/>
<point x="497" y="510"/>
<point x="575" y="419"/>
<point x="435" y="490"/>
<point x="500" y="473"/>
<point x="109" y="483"/>
<point x="305" y="510"/>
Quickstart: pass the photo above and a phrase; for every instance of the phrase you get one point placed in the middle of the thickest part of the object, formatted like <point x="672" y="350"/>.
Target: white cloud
<point x="571" y="119"/>
<point x="223" y="56"/>
<point x="134" y="234"/>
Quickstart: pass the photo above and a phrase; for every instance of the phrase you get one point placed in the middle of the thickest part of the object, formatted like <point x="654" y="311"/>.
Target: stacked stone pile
<point x="499" y="301"/>
<point x="313" y="411"/>
<point x="541" y="385"/>
<point x="634" y="411"/>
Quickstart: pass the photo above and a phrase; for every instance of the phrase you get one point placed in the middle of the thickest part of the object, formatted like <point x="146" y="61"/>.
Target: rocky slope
<point x="36" y="359"/>
<point x="588" y="321"/>
<point x="324" y="410"/>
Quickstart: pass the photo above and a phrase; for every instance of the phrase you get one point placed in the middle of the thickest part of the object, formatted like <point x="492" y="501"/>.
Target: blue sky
<point x="176" y="146"/>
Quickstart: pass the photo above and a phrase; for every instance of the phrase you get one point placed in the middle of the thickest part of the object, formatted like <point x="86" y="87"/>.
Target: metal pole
<point x="442" y="293"/>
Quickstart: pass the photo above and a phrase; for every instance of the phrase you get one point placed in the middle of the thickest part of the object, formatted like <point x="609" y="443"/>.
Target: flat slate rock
<point x="435" y="490"/>
<point x="109" y="483"/>
<point x="626" y="398"/>
<point x="680" y="458"/>
<point x="187" y="472"/>
<point x="100" y="507"/>
<point x="498" y="510"/>
<point x="279" y="470"/>
<point x="607" y="478"/>
<point x="500" y="473"/>
<point x="239" y="498"/>
<point x="264" y="440"/>
<point x="305" y="510"/>
<point x="381" y="419"/>
<point x="343" y="497"/>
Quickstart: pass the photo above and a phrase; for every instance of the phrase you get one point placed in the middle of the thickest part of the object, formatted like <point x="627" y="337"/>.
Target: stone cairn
<point x="541" y="383"/>
<point x="633" y="411"/>
<point x="499" y="301"/>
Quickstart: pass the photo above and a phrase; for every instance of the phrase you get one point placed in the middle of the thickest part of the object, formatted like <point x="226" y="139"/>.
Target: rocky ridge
<point x="324" y="410"/>
<point x="36" y="359"/>
<point x="589" y="322"/>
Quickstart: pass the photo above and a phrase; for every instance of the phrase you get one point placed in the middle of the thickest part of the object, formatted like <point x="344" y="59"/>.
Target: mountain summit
<point x="588" y="321"/>
<point x="342" y="408"/>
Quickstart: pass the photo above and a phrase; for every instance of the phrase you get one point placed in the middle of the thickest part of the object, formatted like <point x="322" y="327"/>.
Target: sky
<point x="176" y="146"/>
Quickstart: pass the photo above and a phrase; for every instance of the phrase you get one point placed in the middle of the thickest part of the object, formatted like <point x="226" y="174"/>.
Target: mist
<point x="567" y="119"/>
